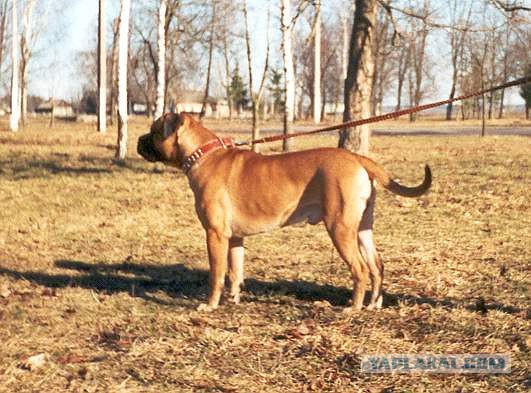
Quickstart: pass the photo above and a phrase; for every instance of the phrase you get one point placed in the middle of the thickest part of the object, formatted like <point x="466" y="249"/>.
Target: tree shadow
<point x="181" y="282"/>
<point x="84" y="165"/>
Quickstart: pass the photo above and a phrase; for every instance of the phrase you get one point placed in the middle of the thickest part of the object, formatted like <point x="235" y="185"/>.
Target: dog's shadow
<point x="183" y="283"/>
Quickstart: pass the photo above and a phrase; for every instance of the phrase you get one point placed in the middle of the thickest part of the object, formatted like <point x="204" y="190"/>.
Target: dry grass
<point x="102" y="266"/>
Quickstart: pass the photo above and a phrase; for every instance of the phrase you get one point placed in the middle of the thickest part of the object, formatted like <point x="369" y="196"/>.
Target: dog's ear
<point x="172" y="122"/>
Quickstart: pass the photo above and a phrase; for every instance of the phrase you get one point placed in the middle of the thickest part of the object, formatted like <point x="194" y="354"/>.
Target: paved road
<point x="435" y="131"/>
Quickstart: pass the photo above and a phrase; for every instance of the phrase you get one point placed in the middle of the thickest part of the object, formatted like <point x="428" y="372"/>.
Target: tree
<point x="26" y="49"/>
<point x="317" y="65"/>
<point x="3" y="28"/>
<point x="161" y="51"/>
<point x="14" y="119"/>
<point x="210" y="53"/>
<point x="286" y="28"/>
<point x="123" y="46"/>
<point x="238" y="92"/>
<point x="114" y="70"/>
<point x="102" y="69"/>
<point x="525" y="92"/>
<point x="403" y="63"/>
<point x="418" y="42"/>
<point x="358" y="84"/>
<point x="255" y="98"/>
<point x="457" y="47"/>
<point x="276" y="90"/>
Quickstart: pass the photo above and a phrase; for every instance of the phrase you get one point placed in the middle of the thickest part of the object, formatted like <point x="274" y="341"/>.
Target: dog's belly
<point x="245" y="226"/>
<point x="312" y="214"/>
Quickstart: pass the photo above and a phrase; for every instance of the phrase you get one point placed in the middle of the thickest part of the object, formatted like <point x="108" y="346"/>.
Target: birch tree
<point x="114" y="70"/>
<point x="317" y="65"/>
<point x="3" y="28"/>
<point x="357" y="96"/>
<point x="457" y="46"/>
<point x="123" y="46"/>
<point x="210" y="54"/>
<point x="161" y="52"/>
<point x="286" y="27"/>
<point x="14" y="119"/>
<point x="25" y="56"/>
<point x="255" y="97"/>
<point x="102" y="69"/>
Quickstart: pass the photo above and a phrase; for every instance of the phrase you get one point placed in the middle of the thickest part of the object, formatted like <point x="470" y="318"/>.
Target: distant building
<point x="192" y="101"/>
<point x="61" y="109"/>
<point x="334" y="108"/>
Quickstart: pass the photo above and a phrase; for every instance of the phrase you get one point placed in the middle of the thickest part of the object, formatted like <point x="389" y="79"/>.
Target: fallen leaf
<point x="5" y="292"/>
<point x="34" y="362"/>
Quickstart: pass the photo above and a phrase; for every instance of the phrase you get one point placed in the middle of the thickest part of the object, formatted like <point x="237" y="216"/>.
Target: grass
<point x="102" y="267"/>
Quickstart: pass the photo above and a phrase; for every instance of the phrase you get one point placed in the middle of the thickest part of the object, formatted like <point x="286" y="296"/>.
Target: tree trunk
<point x="210" y="52"/>
<point x="102" y="69"/>
<point x="502" y="103"/>
<point x="14" y="119"/>
<point x="123" y="46"/>
<point x="3" y="26"/>
<point x="344" y="48"/>
<point x="289" y="70"/>
<point x="491" y="105"/>
<point x="25" y="54"/>
<point x="255" y="98"/>
<point x="161" y="52"/>
<point x="317" y="66"/>
<point x="228" y="73"/>
<point x="359" y="77"/>
<point x="449" y="107"/>
<point x="23" y="92"/>
<point x="114" y="70"/>
<point x="52" y="113"/>
<point x="403" y="66"/>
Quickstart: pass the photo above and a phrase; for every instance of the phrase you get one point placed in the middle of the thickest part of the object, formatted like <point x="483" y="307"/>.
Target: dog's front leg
<point x="218" y="247"/>
<point x="236" y="253"/>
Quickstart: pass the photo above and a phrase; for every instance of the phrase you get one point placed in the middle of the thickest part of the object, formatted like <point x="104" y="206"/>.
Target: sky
<point x="55" y="71"/>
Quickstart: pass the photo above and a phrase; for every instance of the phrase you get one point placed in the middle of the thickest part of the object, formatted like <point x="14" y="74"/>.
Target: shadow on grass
<point x="180" y="281"/>
<point x="85" y="165"/>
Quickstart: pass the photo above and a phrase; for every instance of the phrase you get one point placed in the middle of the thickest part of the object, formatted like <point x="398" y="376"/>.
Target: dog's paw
<point x="351" y="311"/>
<point x="376" y="305"/>
<point x="205" y="307"/>
<point x="234" y="298"/>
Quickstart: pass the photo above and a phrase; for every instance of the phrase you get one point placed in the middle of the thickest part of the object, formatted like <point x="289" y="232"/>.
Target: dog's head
<point x="162" y="142"/>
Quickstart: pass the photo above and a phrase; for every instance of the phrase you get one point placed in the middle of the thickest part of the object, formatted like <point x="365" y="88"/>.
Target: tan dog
<point x="240" y="193"/>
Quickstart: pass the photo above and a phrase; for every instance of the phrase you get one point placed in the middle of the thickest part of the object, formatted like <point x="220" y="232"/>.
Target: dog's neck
<point x="193" y="136"/>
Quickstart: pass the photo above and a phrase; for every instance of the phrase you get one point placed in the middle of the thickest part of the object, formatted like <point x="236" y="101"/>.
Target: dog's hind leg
<point x="366" y="240"/>
<point x="236" y="254"/>
<point x="344" y="207"/>
<point x="344" y="238"/>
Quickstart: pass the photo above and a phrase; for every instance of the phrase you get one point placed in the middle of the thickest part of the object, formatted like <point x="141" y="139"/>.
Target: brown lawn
<point x="102" y="267"/>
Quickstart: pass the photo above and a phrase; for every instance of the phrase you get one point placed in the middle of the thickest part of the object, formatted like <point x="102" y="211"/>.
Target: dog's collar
<point x="210" y="146"/>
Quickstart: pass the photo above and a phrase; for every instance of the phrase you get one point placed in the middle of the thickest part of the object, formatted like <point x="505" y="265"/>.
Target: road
<point x="425" y="131"/>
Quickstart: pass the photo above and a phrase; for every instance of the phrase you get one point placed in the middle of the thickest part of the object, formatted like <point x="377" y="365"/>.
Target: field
<point x="102" y="266"/>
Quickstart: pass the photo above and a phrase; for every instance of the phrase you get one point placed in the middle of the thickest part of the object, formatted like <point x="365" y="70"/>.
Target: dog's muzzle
<point x="146" y="148"/>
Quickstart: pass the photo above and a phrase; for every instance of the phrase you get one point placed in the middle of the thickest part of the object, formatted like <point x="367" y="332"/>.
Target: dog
<point x="239" y="193"/>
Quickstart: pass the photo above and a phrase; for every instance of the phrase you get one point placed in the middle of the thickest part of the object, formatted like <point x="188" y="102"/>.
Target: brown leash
<point x="386" y="116"/>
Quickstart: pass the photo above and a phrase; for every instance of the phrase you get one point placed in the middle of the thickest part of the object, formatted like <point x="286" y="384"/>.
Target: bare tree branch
<point x="509" y="6"/>
<point x="426" y="19"/>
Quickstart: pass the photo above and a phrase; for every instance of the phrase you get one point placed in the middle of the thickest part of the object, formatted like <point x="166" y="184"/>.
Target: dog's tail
<point x="376" y="172"/>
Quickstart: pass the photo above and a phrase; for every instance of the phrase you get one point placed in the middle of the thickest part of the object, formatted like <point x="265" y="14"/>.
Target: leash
<point x="386" y="116"/>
